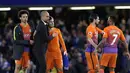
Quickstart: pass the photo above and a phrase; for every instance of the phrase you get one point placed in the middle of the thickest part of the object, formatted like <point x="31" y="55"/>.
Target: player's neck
<point x="24" y="23"/>
<point x="51" y="27"/>
<point x="112" y="24"/>
<point x="93" y="24"/>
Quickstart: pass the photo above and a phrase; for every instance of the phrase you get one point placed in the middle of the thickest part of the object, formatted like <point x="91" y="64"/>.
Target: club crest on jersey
<point x="27" y="36"/>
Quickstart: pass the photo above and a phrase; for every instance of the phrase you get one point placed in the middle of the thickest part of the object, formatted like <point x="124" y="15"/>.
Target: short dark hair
<point x="42" y="12"/>
<point x="92" y="17"/>
<point x="22" y="12"/>
<point x="113" y="18"/>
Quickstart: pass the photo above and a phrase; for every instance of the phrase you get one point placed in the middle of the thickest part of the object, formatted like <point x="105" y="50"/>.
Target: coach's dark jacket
<point x="19" y="43"/>
<point x="42" y="37"/>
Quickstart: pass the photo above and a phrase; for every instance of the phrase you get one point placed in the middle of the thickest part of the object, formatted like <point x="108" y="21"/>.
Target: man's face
<point x="109" y="21"/>
<point x="24" y="18"/>
<point x="51" y="23"/>
<point x="10" y="20"/>
<point x="45" y="17"/>
<point x="97" y="20"/>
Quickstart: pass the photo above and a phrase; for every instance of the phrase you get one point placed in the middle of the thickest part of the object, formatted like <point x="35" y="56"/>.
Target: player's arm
<point x="101" y="42"/>
<point x="125" y="45"/>
<point x="99" y="30"/>
<point x="122" y="37"/>
<point x="91" y="42"/>
<point x="105" y="36"/>
<point x="89" y="34"/>
<point x="16" y="35"/>
<point x="62" y="42"/>
<point x="35" y="31"/>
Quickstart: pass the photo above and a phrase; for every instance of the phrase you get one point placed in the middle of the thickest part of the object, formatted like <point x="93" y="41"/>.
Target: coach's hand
<point x="31" y="42"/>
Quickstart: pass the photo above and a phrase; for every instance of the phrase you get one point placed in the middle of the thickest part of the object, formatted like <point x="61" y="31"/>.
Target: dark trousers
<point x="41" y="62"/>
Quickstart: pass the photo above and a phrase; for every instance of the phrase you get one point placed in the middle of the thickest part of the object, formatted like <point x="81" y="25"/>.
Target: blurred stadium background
<point x="71" y="20"/>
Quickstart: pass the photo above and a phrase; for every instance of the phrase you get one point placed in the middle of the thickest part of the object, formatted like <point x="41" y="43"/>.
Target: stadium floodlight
<point x="83" y="8"/>
<point x="5" y="8"/>
<point x="122" y="7"/>
<point x="40" y="8"/>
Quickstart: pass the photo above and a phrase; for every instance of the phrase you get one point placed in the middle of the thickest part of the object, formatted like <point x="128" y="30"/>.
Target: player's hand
<point x="65" y="53"/>
<point x="95" y="51"/>
<point x="96" y="46"/>
<point x="99" y="50"/>
<point x="54" y="34"/>
<point x="127" y="54"/>
<point x="31" y="42"/>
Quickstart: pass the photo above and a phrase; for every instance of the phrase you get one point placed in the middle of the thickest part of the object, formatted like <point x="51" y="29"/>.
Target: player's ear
<point x="20" y="18"/>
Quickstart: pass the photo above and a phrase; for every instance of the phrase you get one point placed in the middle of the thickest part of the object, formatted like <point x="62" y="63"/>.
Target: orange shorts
<point x="24" y="61"/>
<point x="108" y="60"/>
<point x="54" y="59"/>
<point x="92" y="61"/>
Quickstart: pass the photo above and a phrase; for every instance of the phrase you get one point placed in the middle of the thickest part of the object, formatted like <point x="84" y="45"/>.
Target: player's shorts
<point x="54" y="59"/>
<point x="24" y="61"/>
<point x="92" y="61"/>
<point x="108" y="60"/>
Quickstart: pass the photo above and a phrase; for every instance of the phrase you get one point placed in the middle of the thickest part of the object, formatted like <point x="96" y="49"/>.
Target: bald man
<point x="41" y="39"/>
